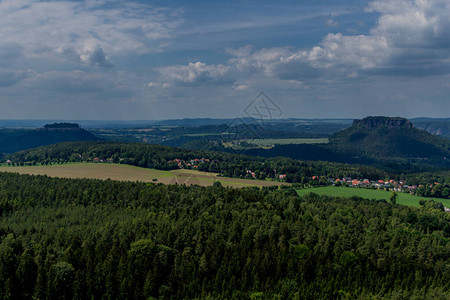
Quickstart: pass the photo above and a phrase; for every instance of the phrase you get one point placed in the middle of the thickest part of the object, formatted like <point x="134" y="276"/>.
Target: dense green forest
<point x="161" y="157"/>
<point x="67" y="238"/>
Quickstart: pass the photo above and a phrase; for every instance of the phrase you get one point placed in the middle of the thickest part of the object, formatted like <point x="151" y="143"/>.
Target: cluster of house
<point x="280" y="176"/>
<point x="398" y="186"/>
<point x="99" y="160"/>
<point x="251" y="173"/>
<point x="193" y="163"/>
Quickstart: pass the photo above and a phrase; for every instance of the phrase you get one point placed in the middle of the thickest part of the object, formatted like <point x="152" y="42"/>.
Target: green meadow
<point x="403" y="198"/>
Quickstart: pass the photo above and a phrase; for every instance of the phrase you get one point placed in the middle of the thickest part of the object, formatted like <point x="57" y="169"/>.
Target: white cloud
<point x="405" y="32"/>
<point x="419" y="23"/>
<point x="240" y="87"/>
<point x="259" y="61"/>
<point x="336" y="54"/>
<point x="410" y="37"/>
<point x="338" y="50"/>
<point x="158" y="85"/>
<point x="195" y="74"/>
<point x="84" y="31"/>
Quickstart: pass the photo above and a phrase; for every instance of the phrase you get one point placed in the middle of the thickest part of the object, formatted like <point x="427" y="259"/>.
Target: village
<point x="400" y="186"/>
<point x="397" y="186"/>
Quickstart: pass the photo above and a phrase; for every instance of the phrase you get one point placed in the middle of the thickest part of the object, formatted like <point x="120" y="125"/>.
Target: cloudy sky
<point x="140" y="60"/>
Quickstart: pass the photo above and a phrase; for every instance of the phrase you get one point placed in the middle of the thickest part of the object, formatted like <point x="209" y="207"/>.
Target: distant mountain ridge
<point x="435" y="126"/>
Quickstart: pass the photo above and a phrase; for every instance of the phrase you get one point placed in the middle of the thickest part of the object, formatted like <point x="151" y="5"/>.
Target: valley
<point x="242" y="150"/>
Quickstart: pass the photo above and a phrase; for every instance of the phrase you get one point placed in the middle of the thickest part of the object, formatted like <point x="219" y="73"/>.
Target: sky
<point x="152" y="60"/>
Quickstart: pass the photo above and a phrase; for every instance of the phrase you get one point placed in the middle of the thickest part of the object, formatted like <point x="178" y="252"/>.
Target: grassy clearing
<point x="131" y="173"/>
<point x="403" y="198"/>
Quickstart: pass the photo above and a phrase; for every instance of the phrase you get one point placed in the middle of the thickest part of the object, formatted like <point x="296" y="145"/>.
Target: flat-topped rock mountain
<point x="62" y="126"/>
<point x="375" y="122"/>
<point x="386" y="137"/>
<point x="12" y="140"/>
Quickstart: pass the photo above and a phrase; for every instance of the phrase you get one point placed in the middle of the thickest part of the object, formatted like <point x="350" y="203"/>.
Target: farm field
<point x="270" y="142"/>
<point x="130" y="173"/>
<point x="403" y="198"/>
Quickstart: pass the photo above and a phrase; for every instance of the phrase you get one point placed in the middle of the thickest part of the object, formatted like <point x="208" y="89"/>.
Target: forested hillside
<point x="164" y="158"/>
<point x="66" y="238"/>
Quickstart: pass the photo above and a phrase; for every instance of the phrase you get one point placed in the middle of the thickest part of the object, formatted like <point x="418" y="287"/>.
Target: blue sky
<point x="138" y="60"/>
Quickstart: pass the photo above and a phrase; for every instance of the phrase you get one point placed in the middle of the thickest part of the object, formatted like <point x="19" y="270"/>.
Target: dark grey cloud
<point x="297" y="70"/>
<point x="70" y="85"/>
<point x="79" y="83"/>
<point x="10" y="78"/>
<point x="10" y="51"/>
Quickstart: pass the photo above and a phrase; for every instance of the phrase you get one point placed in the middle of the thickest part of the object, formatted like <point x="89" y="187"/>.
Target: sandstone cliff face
<point x="374" y="122"/>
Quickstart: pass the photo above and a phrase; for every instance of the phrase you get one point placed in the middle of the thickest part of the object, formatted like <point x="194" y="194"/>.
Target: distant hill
<point x="291" y="122"/>
<point x="199" y="122"/>
<point x="12" y="140"/>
